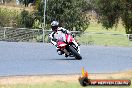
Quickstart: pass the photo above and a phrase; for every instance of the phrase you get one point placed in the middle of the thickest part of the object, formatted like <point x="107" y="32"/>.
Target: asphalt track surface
<point x="39" y="59"/>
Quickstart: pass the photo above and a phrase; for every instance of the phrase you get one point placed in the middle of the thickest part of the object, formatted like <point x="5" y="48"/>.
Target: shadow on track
<point x="64" y="59"/>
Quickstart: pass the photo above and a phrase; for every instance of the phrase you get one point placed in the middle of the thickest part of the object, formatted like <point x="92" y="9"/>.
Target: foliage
<point x="37" y="3"/>
<point x="26" y="2"/>
<point x="26" y="19"/>
<point x="6" y="1"/>
<point x="14" y="18"/>
<point x="8" y="17"/>
<point x="70" y="13"/>
<point x="110" y="11"/>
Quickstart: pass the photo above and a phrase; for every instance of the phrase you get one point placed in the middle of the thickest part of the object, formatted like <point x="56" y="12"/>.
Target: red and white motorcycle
<point x="67" y="44"/>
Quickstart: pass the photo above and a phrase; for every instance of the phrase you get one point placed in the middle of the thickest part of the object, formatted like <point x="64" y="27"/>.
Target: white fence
<point x="88" y="38"/>
<point x="24" y="34"/>
<point x="107" y="39"/>
<point x="129" y="36"/>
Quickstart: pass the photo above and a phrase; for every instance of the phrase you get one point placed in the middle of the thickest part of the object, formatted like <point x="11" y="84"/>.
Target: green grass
<point x="58" y="84"/>
<point x="104" y="39"/>
<point x="95" y="27"/>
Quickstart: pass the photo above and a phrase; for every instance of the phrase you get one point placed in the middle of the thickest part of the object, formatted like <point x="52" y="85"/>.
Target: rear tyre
<point x="75" y="53"/>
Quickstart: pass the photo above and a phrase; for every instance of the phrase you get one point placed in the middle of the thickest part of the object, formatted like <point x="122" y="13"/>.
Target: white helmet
<point x="54" y="23"/>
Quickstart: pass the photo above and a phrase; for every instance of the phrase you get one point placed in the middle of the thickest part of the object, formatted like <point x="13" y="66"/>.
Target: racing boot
<point x="66" y="55"/>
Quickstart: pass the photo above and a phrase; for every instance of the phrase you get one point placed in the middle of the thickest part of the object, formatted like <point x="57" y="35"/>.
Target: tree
<point x="26" y="19"/>
<point x="26" y="2"/>
<point x="70" y="13"/>
<point x="111" y="11"/>
<point x="8" y="17"/>
<point x="5" y="1"/>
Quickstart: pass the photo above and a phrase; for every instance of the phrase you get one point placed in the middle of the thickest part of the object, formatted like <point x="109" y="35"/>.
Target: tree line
<point x="24" y="2"/>
<point x="110" y="11"/>
<point x="72" y="14"/>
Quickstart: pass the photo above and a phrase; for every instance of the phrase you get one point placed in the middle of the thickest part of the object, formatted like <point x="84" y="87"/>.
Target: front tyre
<point x="75" y="53"/>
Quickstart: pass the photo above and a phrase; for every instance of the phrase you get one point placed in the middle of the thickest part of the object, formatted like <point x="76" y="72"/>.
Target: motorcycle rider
<point x="55" y="29"/>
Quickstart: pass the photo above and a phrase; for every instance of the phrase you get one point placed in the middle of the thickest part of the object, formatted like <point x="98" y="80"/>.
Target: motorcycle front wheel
<point x="75" y="53"/>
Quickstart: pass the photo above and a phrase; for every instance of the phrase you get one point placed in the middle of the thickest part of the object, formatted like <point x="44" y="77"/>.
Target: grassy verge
<point x="95" y="27"/>
<point x="58" y="84"/>
<point x="104" y="39"/>
<point x="60" y="81"/>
